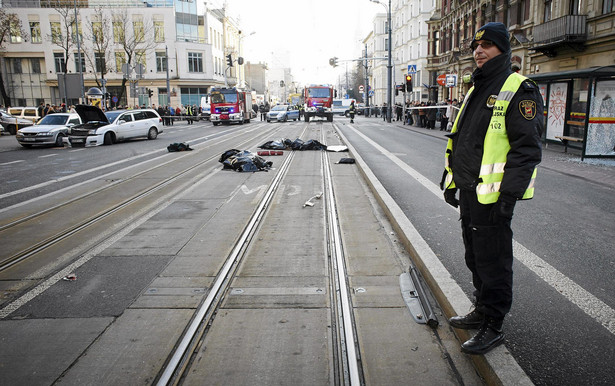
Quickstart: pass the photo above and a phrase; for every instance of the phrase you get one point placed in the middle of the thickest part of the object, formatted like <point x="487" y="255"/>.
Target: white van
<point x="29" y="113"/>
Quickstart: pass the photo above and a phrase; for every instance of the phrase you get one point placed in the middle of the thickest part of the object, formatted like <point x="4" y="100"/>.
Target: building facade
<point x="140" y="53"/>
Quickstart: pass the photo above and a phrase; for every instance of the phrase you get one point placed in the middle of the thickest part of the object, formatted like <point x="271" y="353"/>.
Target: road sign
<point x="451" y="80"/>
<point x="361" y="88"/>
<point x="412" y="69"/>
<point x="441" y="79"/>
<point x="371" y="93"/>
<point x="114" y="99"/>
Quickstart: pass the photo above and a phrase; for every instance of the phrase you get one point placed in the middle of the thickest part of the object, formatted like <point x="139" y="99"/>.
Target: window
<point x="547" y="14"/>
<point x="139" y="30"/>
<point x="140" y="58"/>
<point x="56" y="32"/>
<point x="16" y="64"/>
<point x="608" y="6"/>
<point x="35" y="64"/>
<point x="35" y="32"/>
<point x="161" y="62"/>
<point x="77" y="62"/>
<point x="15" y="31"/>
<point x="74" y="31"/>
<point x="195" y="62"/>
<point x="59" y="62"/>
<point x="159" y="31"/>
<point x="99" y="58"/>
<point x="119" y="34"/>
<point x="575" y="7"/>
<point x="97" y="32"/>
<point x="120" y="58"/>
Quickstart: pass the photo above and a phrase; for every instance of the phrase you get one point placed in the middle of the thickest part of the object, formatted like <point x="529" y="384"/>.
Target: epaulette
<point x="529" y="85"/>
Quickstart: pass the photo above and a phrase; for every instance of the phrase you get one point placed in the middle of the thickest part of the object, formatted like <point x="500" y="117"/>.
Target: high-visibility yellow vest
<point x="496" y="146"/>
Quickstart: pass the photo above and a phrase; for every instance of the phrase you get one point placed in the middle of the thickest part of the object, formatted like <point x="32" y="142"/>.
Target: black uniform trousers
<point x="488" y="255"/>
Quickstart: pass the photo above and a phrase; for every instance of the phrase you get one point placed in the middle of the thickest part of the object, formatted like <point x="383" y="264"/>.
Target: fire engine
<point x="318" y="102"/>
<point x="230" y="105"/>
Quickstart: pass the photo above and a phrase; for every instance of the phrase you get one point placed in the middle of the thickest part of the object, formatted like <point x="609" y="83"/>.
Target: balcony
<point x="566" y="31"/>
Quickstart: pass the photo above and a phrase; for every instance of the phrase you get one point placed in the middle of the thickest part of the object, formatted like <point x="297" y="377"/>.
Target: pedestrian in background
<point x="431" y="115"/>
<point x="491" y="157"/>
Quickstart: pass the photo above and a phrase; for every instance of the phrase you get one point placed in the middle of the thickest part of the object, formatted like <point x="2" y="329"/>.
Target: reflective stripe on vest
<point x="496" y="146"/>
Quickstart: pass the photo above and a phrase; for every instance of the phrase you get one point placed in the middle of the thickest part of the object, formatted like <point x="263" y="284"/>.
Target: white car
<point x="51" y="130"/>
<point x="113" y="126"/>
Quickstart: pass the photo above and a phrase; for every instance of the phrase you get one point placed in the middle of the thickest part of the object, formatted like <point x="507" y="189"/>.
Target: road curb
<point x="497" y="367"/>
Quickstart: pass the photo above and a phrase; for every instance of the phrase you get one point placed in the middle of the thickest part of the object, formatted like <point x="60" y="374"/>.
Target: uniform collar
<point x="492" y="69"/>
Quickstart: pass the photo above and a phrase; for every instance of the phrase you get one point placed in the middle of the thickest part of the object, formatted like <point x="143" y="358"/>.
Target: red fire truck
<point x="230" y="105"/>
<point x="318" y="102"/>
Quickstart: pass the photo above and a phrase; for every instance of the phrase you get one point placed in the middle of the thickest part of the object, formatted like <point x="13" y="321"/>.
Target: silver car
<point x="11" y="123"/>
<point x="51" y="130"/>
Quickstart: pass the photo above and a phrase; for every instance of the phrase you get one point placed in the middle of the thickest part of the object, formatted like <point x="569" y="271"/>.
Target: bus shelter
<point x="580" y="109"/>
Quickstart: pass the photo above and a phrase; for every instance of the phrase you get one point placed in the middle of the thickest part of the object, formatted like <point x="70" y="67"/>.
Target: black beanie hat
<point x="497" y="33"/>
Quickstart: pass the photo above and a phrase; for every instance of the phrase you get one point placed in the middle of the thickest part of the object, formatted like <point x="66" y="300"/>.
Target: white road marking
<point x="587" y="302"/>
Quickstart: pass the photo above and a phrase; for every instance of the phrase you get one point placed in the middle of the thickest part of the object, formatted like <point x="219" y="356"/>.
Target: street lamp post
<point x="389" y="64"/>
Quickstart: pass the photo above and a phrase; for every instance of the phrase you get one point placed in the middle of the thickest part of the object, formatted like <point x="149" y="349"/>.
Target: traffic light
<point x="229" y="60"/>
<point x="409" y="83"/>
<point x="150" y="92"/>
<point x="333" y="61"/>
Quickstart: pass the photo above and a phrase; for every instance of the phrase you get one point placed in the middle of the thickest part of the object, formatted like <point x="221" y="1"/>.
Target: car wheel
<point x="11" y="129"/>
<point x="60" y="140"/>
<point x="27" y="145"/>
<point x="108" y="138"/>
<point x="152" y="133"/>
<point x="216" y="123"/>
<point x="269" y="120"/>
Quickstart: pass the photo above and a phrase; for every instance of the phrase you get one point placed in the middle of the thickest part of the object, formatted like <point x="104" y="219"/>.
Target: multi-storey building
<point x="140" y="52"/>
<point x="409" y="48"/>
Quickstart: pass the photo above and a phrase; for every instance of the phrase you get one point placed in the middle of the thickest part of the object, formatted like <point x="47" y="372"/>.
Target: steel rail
<point x="65" y="233"/>
<point x="193" y="334"/>
<point x="346" y="322"/>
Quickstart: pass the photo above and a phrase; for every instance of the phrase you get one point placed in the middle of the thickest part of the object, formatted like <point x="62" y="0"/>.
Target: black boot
<point x="489" y="336"/>
<point x="471" y="321"/>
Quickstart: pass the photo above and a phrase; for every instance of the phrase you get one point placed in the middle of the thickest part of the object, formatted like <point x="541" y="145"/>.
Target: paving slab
<point x="265" y="347"/>
<point x="38" y="351"/>
<point x="131" y="351"/>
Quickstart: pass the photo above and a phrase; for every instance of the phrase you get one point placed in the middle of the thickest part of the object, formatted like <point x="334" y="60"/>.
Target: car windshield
<point x="111" y="115"/>
<point x="53" y="119"/>
<point x="279" y="108"/>
<point x="318" y="92"/>
<point x="223" y="98"/>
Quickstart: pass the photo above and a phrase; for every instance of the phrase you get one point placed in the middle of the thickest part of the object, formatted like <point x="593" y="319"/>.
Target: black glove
<point x="449" y="197"/>
<point x="503" y="208"/>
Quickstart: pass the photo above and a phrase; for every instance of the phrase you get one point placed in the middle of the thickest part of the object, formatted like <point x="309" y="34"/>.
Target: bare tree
<point x="98" y="32"/>
<point x="134" y="36"/>
<point x="10" y="27"/>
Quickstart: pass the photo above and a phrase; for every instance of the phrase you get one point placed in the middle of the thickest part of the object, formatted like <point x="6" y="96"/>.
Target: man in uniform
<point x="351" y="111"/>
<point x="491" y="158"/>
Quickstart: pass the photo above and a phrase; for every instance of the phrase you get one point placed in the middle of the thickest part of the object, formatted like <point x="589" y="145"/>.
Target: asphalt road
<point x="562" y="324"/>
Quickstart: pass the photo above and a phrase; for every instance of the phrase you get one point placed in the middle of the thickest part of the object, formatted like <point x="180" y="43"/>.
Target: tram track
<point x="345" y="358"/>
<point x="33" y="220"/>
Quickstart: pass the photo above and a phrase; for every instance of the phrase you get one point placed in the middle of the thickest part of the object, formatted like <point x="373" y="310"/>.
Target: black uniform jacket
<point x="524" y="127"/>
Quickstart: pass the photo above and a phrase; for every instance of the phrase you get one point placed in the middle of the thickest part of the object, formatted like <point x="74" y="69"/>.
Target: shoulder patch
<point x="491" y="100"/>
<point x="528" y="109"/>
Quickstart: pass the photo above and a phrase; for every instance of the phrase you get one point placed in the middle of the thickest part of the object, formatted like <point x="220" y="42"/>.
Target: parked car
<point x="113" y="126"/>
<point x="51" y="130"/>
<point x="11" y="124"/>
<point x="282" y="113"/>
<point x="29" y="113"/>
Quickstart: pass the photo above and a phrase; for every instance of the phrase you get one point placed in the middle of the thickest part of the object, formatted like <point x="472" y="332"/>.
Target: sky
<point x="304" y="34"/>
